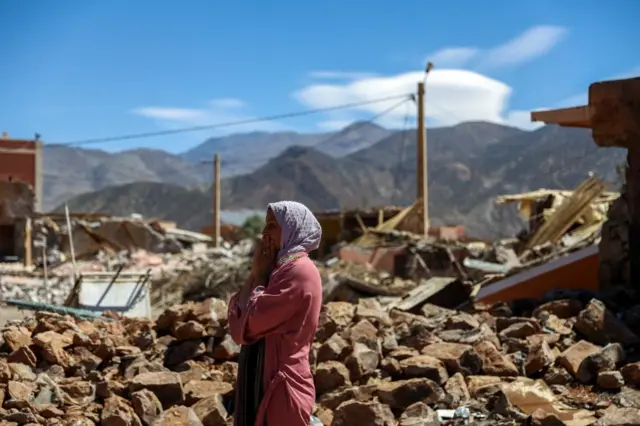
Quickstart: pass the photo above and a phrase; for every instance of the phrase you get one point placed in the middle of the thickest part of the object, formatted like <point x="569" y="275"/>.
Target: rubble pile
<point x="566" y="361"/>
<point x="174" y="276"/>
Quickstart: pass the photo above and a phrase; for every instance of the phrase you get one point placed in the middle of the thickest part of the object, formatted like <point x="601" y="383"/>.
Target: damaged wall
<point x="16" y="205"/>
<point x="16" y="201"/>
<point x="614" y="245"/>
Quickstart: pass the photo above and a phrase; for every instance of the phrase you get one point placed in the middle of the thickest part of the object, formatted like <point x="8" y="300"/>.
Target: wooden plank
<point x="557" y="224"/>
<point x="423" y="292"/>
<point x="569" y="117"/>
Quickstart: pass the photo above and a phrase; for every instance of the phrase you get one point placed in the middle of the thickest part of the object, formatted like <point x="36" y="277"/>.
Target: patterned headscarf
<point x="300" y="228"/>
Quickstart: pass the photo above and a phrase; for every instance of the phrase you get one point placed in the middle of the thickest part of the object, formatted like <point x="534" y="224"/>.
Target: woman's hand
<point x="264" y="259"/>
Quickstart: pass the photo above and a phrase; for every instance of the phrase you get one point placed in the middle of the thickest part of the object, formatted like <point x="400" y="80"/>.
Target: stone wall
<point x="614" y="245"/>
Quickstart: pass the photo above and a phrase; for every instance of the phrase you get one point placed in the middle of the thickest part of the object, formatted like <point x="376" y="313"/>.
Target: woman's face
<point x="272" y="230"/>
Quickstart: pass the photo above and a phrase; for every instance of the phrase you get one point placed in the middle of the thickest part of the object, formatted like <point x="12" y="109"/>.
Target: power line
<point x="330" y="138"/>
<point x="369" y="121"/>
<point x="231" y="123"/>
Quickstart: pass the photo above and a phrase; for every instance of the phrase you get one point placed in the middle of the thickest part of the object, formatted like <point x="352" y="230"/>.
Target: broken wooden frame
<point x="613" y="116"/>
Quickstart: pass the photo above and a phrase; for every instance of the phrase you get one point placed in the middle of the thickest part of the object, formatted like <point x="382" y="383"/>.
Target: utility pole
<point x="423" y="177"/>
<point x="216" y="200"/>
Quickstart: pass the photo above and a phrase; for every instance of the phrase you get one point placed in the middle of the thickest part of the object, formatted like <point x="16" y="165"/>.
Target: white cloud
<point x="339" y="75"/>
<point x="177" y="114"/>
<point x="453" y="57"/>
<point x="525" y="47"/>
<point x="216" y="111"/>
<point x="453" y="96"/>
<point x="529" y="45"/>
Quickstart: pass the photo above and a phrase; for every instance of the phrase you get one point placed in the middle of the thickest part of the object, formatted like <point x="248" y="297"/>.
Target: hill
<point x="466" y="172"/>
<point x="71" y="171"/>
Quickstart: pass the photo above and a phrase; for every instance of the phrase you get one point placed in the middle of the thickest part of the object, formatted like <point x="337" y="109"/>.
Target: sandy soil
<point x="8" y="313"/>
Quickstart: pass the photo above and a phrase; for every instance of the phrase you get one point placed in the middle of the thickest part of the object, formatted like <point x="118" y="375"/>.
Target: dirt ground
<point x="8" y="313"/>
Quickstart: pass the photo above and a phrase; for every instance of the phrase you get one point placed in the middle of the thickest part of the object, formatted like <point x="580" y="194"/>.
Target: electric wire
<point x="230" y="123"/>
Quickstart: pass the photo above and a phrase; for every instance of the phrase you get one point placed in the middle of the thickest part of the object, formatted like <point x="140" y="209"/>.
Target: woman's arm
<point x="267" y="309"/>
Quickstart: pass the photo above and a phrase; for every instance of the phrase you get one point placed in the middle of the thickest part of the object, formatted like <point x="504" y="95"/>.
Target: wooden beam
<point x="569" y="117"/>
<point x="28" y="244"/>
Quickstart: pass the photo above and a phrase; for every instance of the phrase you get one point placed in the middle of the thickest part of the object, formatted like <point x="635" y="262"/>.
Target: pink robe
<point x="286" y="314"/>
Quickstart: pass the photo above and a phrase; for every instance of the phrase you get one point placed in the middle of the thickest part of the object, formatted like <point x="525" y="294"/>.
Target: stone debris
<point x="493" y="365"/>
<point x="188" y="274"/>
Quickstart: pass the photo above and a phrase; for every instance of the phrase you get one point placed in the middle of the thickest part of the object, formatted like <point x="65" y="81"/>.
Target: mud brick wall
<point x="614" y="245"/>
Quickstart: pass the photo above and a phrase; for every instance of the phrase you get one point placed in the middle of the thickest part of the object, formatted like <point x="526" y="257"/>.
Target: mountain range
<point x="362" y="165"/>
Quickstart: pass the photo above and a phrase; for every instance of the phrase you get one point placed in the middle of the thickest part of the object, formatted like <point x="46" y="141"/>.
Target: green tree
<point x="253" y="226"/>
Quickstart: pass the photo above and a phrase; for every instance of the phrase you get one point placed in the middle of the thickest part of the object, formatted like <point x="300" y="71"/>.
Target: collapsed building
<point x="415" y="328"/>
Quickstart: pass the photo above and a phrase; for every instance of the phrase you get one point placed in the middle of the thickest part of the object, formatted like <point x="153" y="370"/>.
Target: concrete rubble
<point x="567" y="361"/>
<point x="172" y="274"/>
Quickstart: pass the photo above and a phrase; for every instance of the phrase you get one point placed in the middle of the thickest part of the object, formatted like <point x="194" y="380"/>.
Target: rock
<point x="494" y="363"/>
<point x="364" y="332"/>
<point x="22" y="372"/>
<point x="117" y="412"/>
<point x="178" y="416"/>
<point x="418" y="414"/>
<point x="86" y="359"/>
<point x="424" y="366"/>
<point x="189" y="330"/>
<point x="478" y="384"/>
<point x="324" y="415"/>
<point x="620" y="417"/>
<point x="227" y="349"/>
<point x="166" y="386"/>
<point x="572" y="358"/>
<point x="470" y="337"/>
<point x="600" y="326"/>
<point x="604" y="360"/>
<point x="211" y="411"/>
<point x="461" y="321"/>
<point x="52" y="346"/>
<point x="564" y="308"/>
<point x="330" y="375"/>
<point x="520" y="330"/>
<point x="23" y="355"/>
<point x="16" y="337"/>
<point x="557" y="376"/>
<point x="631" y="373"/>
<point x="19" y="391"/>
<point x="196" y="390"/>
<point x="333" y="399"/>
<point x="504" y="322"/>
<point x="340" y="313"/>
<point x="362" y="361"/>
<point x="610" y="380"/>
<point x="146" y="406"/>
<point x="455" y="356"/>
<point x="456" y="388"/>
<point x="371" y="310"/>
<point x="332" y="349"/>
<point x="539" y="357"/>
<point x="402" y="352"/>
<point x="403" y="393"/>
<point x="351" y="413"/>
<point x="542" y="418"/>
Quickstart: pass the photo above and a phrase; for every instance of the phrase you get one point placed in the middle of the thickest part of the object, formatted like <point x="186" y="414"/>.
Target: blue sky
<point x="73" y="70"/>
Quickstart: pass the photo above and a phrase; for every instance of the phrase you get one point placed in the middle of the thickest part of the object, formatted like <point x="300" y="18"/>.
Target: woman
<point x="275" y="316"/>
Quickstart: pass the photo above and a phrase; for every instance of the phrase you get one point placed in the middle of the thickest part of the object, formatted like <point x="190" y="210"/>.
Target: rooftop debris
<point x="389" y="260"/>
